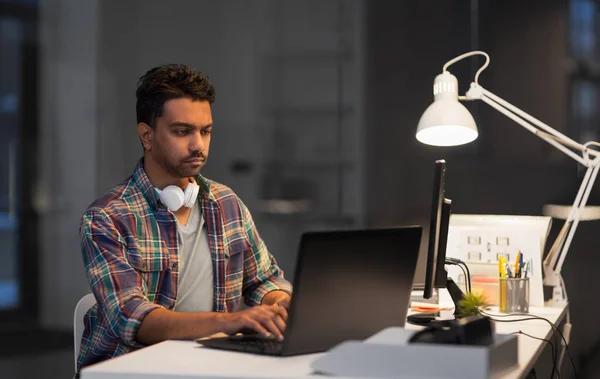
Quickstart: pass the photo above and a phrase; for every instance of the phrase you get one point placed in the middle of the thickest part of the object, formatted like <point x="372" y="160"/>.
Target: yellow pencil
<point x="502" y="283"/>
<point x="501" y="267"/>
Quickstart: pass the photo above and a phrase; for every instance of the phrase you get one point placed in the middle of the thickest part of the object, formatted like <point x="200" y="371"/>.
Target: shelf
<point x="313" y="111"/>
<point x="310" y="218"/>
<point x="322" y="166"/>
<point x="299" y="210"/>
<point x="285" y="206"/>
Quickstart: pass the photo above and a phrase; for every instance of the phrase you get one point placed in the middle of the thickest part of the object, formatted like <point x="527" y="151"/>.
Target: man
<point x="160" y="270"/>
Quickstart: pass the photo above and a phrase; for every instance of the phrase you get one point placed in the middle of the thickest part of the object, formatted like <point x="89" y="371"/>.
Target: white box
<point x="388" y="354"/>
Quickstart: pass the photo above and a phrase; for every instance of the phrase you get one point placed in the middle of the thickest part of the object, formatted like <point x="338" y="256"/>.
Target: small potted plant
<point x="471" y="303"/>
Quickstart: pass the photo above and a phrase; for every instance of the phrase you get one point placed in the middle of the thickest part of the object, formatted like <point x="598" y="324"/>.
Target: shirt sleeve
<point x="261" y="272"/>
<point x="116" y="285"/>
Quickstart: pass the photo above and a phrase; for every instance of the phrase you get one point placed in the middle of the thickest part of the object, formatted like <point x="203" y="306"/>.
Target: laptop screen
<point x="350" y="285"/>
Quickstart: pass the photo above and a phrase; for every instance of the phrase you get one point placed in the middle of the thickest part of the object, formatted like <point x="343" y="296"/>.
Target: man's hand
<point x="277" y="297"/>
<point x="285" y="302"/>
<point x="265" y="319"/>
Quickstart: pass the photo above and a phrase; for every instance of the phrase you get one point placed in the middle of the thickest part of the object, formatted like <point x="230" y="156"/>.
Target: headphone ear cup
<point x="191" y="194"/>
<point x="172" y="197"/>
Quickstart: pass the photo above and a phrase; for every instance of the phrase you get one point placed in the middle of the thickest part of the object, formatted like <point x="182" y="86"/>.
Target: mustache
<point x="195" y="155"/>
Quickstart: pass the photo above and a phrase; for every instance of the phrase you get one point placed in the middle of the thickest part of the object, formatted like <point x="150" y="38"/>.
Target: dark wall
<point x="408" y="43"/>
<point x="507" y="170"/>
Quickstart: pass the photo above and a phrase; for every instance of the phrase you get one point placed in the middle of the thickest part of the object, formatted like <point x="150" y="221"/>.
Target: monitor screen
<point x="435" y="271"/>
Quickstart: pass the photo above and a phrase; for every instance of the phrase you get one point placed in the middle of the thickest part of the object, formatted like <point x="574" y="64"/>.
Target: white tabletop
<point x="530" y="348"/>
<point x="188" y="359"/>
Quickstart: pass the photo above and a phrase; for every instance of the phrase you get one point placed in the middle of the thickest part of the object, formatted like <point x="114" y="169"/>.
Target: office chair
<point x="81" y="309"/>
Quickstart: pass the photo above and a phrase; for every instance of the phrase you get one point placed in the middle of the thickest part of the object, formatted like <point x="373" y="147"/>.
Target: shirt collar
<point x="143" y="182"/>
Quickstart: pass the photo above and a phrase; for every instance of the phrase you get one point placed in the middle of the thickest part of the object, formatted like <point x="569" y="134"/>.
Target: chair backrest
<point x="81" y="309"/>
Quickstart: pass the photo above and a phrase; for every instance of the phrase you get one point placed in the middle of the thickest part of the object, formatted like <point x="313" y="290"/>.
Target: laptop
<point x="347" y="285"/>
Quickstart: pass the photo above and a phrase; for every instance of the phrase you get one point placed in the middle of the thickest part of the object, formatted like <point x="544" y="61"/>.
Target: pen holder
<point x="514" y="295"/>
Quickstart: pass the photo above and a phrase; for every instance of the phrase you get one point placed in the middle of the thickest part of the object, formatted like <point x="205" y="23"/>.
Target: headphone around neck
<point x="175" y="198"/>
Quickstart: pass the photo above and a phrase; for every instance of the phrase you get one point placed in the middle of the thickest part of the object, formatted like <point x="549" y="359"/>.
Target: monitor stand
<point x="429" y="318"/>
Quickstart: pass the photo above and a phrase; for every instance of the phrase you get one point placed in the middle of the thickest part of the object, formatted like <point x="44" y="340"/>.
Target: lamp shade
<point x="446" y="122"/>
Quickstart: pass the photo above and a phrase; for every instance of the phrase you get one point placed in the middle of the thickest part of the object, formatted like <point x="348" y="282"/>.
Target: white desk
<point x="530" y="348"/>
<point x="187" y="359"/>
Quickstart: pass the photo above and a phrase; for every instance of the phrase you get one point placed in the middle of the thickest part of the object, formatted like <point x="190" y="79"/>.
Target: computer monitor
<point x="435" y="271"/>
<point x="436" y="275"/>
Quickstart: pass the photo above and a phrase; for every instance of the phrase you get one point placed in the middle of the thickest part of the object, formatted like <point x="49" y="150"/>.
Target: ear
<point x="145" y="132"/>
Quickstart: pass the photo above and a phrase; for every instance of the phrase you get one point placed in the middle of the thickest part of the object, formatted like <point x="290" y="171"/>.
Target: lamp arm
<point x="589" y="158"/>
<point x="575" y="214"/>
<point x="552" y="141"/>
<point x="581" y="153"/>
<point x="585" y="189"/>
<point x="557" y="139"/>
<point x="563" y="138"/>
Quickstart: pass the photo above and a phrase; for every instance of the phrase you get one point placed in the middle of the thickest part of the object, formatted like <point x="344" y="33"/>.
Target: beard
<point x="178" y="167"/>
<point x="181" y="169"/>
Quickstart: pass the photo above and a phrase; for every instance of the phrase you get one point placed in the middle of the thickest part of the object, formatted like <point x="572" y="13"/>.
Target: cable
<point x="468" y="274"/>
<point x="534" y="337"/>
<point x="469" y="54"/>
<point x="467" y="286"/>
<point x="532" y="317"/>
<point x="545" y="340"/>
<point x="528" y="317"/>
<point x="461" y="264"/>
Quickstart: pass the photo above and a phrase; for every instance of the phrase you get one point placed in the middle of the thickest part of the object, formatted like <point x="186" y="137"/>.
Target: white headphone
<point x="174" y="198"/>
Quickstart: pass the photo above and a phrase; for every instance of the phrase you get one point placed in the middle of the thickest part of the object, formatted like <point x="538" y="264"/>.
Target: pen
<point x="508" y="270"/>
<point x="521" y="265"/>
<point x="525" y="268"/>
<point x="518" y="264"/>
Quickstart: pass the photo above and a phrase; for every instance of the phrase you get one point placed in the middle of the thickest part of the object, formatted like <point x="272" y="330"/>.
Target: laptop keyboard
<point x="255" y="344"/>
<point x="260" y="344"/>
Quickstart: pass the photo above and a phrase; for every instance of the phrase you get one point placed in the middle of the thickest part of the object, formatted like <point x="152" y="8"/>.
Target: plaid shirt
<point x="130" y="251"/>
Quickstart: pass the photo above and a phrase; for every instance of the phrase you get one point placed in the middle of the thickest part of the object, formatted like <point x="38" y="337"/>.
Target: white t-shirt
<point x="195" y="287"/>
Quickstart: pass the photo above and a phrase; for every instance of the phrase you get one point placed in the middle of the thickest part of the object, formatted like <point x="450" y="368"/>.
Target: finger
<point x="270" y="325"/>
<point x="285" y="302"/>
<point x="282" y="312"/>
<point x="280" y="322"/>
<point x="275" y="309"/>
<point x="272" y="310"/>
<point x="251" y="323"/>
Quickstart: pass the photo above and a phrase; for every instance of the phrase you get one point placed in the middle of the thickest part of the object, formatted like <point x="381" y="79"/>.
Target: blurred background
<point x="316" y="112"/>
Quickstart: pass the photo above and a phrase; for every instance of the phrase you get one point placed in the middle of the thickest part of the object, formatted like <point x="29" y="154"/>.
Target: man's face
<point x="181" y="137"/>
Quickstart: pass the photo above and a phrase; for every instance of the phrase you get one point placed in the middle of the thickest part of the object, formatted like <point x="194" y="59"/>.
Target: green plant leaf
<point x="471" y="303"/>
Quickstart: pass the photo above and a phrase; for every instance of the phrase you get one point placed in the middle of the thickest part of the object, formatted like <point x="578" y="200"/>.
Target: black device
<point x="471" y="330"/>
<point x="436" y="275"/>
<point x="347" y="285"/>
<point x="435" y="272"/>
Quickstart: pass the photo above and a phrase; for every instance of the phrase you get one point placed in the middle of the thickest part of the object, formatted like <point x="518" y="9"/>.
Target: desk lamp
<point x="447" y="122"/>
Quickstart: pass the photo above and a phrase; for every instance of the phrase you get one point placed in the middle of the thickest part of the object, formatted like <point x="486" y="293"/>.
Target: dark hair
<point x="166" y="82"/>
